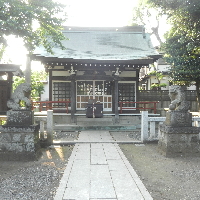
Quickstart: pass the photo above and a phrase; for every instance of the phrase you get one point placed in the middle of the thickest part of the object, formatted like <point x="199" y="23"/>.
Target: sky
<point x="91" y="13"/>
<point x="99" y="13"/>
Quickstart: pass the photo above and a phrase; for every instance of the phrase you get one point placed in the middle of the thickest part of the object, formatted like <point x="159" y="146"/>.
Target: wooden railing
<point x="144" y="107"/>
<point x="49" y="105"/>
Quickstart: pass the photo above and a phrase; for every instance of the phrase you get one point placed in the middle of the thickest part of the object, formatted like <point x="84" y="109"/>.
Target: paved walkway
<point x="98" y="170"/>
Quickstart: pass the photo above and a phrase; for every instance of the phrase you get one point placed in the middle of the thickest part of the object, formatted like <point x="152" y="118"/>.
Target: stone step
<point x="106" y="120"/>
<point x="93" y="127"/>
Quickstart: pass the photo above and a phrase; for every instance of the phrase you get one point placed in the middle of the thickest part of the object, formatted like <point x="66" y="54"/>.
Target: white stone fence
<point x="48" y="119"/>
<point x="150" y="126"/>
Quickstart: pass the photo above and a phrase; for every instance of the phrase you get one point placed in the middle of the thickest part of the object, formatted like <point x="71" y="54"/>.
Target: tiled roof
<point x="124" y="43"/>
<point x="11" y="68"/>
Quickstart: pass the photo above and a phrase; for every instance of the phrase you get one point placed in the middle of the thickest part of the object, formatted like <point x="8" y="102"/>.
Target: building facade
<point x="101" y="64"/>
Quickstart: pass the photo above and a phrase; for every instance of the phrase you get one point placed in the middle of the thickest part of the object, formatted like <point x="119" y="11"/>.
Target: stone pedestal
<point x="19" y="138"/>
<point x="176" y="141"/>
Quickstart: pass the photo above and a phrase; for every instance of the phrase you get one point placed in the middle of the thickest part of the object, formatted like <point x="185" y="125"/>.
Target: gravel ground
<point x="165" y="178"/>
<point x="36" y="180"/>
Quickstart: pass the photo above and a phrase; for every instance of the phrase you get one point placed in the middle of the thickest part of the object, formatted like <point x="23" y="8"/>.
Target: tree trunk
<point x="198" y="94"/>
<point x="28" y="70"/>
<point x="156" y="33"/>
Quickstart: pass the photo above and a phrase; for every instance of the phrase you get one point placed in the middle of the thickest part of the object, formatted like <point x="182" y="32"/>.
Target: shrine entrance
<point x="99" y="90"/>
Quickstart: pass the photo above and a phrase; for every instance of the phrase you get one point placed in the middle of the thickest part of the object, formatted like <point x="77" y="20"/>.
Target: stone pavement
<point x="98" y="170"/>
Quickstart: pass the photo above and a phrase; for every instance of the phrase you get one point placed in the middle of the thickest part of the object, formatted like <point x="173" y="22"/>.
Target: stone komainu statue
<point x="178" y="99"/>
<point x="21" y="93"/>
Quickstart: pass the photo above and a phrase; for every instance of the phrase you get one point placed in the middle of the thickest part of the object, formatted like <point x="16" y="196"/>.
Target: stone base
<point x="20" y="117"/>
<point x="176" y="142"/>
<point x="19" y="143"/>
<point x="178" y="119"/>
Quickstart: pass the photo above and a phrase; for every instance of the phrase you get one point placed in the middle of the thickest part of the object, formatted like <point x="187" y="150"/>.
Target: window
<point x="61" y="92"/>
<point x="127" y="93"/>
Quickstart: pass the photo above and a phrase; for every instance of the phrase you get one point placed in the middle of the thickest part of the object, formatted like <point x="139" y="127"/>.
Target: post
<point x="41" y="130"/>
<point x="159" y="129"/>
<point x="144" y="126"/>
<point x="152" y="130"/>
<point x="154" y="107"/>
<point x="49" y="127"/>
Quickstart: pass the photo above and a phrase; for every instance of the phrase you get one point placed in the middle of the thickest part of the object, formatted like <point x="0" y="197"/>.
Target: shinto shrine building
<point x="102" y="64"/>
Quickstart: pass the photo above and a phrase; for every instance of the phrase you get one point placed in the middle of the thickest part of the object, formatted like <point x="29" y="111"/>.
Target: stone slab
<point x="111" y="152"/>
<point x="101" y="182"/>
<point x="83" y="152"/>
<point x="20" y="117"/>
<point x="98" y="155"/>
<point x="78" y="185"/>
<point x="129" y="190"/>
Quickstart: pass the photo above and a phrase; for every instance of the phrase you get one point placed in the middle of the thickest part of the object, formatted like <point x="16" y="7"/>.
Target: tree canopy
<point x="182" y="46"/>
<point x="17" y="17"/>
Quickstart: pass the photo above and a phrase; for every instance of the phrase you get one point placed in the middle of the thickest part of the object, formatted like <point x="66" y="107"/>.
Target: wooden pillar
<point x="116" y="97"/>
<point x="137" y="96"/>
<point x="50" y="85"/>
<point x="73" y="98"/>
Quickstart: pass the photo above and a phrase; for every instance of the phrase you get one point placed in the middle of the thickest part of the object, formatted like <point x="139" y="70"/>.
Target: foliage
<point x="36" y="83"/>
<point x="18" y="17"/>
<point x="159" y="76"/>
<point x="158" y="86"/>
<point x="182" y="47"/>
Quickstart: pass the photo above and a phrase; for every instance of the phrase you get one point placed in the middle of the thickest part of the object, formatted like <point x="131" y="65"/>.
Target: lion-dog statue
<point x="21" y="93"/>
<point x="178" y="99"/>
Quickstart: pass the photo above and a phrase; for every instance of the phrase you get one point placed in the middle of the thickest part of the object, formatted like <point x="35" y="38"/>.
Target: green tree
<point x="159" y="77"/>
<point x="37" y="85"/>
<point x="17" y="17"/>
<point x="182" y="46"/>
